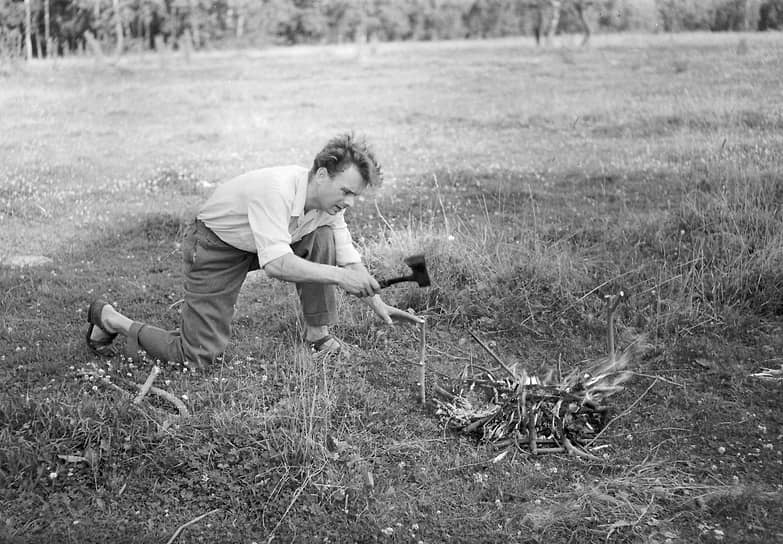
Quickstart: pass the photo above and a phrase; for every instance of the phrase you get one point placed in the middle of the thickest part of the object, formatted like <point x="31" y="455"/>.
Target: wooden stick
<point x="531" y="433"/>
<point x="626" y="412"/>
<point x="442" y="392"/>
<point x="422" y="362"/>
<point x="539" y="451"/>
<point x="594" y="289"/>
<point x="479" y="422"/>
<point x="493" y="355"/>
<point x="183" y="411"/>
<point x="442" y="207"/>
<point x="147" y="384"/>
<point x="578" y="452"/>
<point x="191" y="522"/>
<point x="612" y="302"/>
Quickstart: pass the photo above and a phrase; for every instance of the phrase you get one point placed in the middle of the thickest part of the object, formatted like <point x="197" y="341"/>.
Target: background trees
<point x="62" y="27"/>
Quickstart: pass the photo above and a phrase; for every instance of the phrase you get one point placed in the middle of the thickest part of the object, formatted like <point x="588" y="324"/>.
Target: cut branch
<point x="612" y="302"/>
<point x="183" y="411"/>
<point x="422" y="363"/>
<point x="626" y="412"/>
<point x="492" y="354"/>
<point x="191" y="522"/>
<point x="147" y="384"/>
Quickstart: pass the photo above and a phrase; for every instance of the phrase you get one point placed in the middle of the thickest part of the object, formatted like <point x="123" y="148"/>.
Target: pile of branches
<point x="534" y="415"/>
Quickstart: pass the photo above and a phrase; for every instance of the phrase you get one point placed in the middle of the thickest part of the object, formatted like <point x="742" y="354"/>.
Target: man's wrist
<point x="339" y="274"/>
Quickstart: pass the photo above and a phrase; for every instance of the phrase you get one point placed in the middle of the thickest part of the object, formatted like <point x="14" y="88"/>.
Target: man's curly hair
<point x="345" y="150"/>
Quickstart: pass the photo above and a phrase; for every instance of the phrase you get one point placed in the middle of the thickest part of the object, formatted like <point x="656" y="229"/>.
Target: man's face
<point x="338" y="193"/>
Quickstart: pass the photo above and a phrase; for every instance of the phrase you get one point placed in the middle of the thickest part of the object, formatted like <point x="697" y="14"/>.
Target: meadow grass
<point x="535" y="181"/>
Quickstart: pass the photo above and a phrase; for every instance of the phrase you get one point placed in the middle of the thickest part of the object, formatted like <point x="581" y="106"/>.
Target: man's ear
<point x="322" y="174"/>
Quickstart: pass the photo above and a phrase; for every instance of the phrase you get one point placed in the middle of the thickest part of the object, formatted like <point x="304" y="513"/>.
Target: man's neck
<point x="310" y="198"/>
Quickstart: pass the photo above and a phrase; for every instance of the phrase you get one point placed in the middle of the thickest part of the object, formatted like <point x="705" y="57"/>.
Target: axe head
<point x="419" y="270"/>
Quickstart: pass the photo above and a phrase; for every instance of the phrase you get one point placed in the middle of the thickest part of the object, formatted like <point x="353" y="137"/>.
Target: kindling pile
<point x="534" y="415"/>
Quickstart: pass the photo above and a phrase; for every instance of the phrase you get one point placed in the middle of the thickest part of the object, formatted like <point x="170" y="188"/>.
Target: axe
<point x="418" y="273"/>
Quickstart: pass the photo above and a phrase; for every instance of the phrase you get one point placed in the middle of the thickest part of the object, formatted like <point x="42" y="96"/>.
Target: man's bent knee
<point x="317" y="247"/>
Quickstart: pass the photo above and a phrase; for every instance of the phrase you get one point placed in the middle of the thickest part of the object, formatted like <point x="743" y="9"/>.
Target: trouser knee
<point x="317" y="247"/>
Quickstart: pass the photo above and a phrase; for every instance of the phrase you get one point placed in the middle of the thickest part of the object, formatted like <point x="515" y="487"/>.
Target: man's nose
<point x="348" y="200"/>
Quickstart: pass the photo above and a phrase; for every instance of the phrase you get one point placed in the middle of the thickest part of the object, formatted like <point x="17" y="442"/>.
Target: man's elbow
<point x="274" y="268"/>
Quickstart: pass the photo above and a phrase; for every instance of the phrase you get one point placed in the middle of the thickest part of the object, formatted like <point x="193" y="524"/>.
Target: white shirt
<point x="262" y="212"/>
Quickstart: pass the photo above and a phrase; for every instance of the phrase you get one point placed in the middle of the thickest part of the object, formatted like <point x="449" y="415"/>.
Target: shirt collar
<point x="300" y="195"/>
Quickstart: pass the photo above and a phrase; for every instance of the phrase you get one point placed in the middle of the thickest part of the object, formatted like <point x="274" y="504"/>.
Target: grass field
<point x="536" y="181"/>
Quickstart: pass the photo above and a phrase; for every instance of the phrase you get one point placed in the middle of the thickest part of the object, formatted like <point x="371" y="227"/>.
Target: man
<point x="286" y="220"/>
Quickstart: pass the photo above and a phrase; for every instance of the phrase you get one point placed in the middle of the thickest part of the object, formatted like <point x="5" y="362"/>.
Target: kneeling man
<point x="287" y="220"/>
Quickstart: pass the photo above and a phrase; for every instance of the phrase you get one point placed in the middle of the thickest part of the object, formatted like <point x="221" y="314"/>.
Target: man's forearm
<point x="294" y="269"/>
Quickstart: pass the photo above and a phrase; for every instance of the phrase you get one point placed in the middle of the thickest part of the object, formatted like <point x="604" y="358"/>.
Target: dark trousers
<point x="214" y="273"/>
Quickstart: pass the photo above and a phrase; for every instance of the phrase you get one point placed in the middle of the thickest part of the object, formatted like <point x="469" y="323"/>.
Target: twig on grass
<point x="442" y="207"/>
<point x="492" y="354"/>
<point x="531" y="433"/>
<point x="126" y="395"/>
<point x="625" y="413"/>
<point x="422" y="363"/>
<point x="183" y="411"/>
<point x="147" y="384"/>
<point x="594" y="289"/>
<point x="191" y="522"/>
<point x="440" y="391"/>
<point x="612" y="302"/>
<point x="573" y="450"/>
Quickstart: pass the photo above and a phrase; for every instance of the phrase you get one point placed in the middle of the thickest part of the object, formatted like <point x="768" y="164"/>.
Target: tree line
<point x="41" y="28"/>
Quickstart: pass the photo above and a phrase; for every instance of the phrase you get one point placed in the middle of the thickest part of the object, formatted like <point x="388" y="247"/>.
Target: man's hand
<point x="358" y="282"/>
<point x="390" y="314"/>
<point x="401" y="316"/>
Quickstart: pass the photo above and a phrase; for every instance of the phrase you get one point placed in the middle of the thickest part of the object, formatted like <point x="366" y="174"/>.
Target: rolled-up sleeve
<point x="343" y="243"/>
<point x="268" y="218"/>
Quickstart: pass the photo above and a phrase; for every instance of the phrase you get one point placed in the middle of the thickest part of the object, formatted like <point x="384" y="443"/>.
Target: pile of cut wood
<point x="534" y="415"/>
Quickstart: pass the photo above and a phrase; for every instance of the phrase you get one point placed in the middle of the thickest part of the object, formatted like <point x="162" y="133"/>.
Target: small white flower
<point x="388" y="531"/>
<point x="52" y="475"/>
<point x="184" y="397"/>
